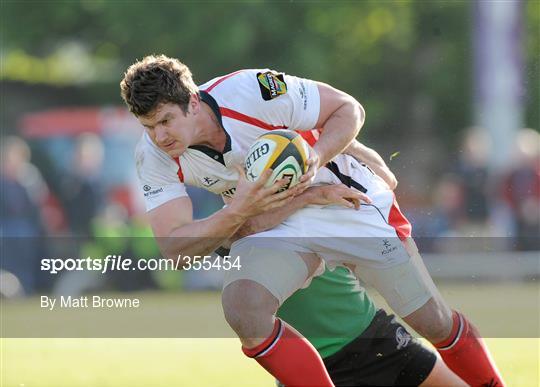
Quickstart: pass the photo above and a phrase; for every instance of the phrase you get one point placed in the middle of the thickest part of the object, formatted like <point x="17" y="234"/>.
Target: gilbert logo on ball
<point x="283" y="151"/>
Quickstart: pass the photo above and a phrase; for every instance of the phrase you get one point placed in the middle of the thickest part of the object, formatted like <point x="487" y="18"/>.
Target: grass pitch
<point x="183" y="362"/>
<point x="213" y="362"/>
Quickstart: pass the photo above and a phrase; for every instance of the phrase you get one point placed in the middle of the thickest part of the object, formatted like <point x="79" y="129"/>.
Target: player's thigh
<point x="406" y="286"/>
<point x="280" y="267"/>
<point x="441" y="375"/>
<point x="371" y="241"/>
<point x="368" y="241"/>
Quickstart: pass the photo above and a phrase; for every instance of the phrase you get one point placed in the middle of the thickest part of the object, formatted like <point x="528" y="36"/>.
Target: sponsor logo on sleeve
<point x="148" y="191"/>
<point x="272" y="85"/>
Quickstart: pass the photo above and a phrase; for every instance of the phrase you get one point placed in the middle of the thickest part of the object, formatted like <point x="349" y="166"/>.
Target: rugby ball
<point x="283" y="151"/>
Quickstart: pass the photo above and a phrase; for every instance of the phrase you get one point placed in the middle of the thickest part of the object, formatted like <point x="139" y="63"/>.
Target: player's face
<point x="170" y="128"/>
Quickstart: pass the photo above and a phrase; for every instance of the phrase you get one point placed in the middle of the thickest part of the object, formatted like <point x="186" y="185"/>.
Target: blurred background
<point x="450" y="88"/>
<point x="451" y="91"/>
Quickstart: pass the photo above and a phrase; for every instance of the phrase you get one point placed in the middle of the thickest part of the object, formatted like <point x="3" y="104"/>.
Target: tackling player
<point x="195" y="135"/>
<point x="360" y="345"/>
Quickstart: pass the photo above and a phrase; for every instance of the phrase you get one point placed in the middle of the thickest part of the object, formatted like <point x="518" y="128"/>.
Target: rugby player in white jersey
<point x="198" y="135"/>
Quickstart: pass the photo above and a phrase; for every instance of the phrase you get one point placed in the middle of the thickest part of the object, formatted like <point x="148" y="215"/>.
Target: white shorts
<point x="375" y="241"/>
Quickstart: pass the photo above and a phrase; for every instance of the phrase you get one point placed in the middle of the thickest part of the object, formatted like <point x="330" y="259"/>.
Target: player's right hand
<point x="253" y="198"/>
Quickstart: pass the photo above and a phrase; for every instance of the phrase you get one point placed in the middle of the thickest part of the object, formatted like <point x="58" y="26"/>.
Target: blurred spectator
<point x="21" y="226"/>
<point x="473" y="169"/>
<point x="521" y="189"/>
<point x="443" y="218"/>
<point x="449" y="199"/>
<point x="114" y="233"/>
<point x="81" y="189"/>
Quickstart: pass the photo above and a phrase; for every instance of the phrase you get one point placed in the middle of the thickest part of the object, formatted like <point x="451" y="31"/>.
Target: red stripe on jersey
<point x="221" y="80"/>
<point x="179" y="173"/>
<point x="226" y="112"/>
<point x="400" y="223"/>
<point x="311" y="136"/>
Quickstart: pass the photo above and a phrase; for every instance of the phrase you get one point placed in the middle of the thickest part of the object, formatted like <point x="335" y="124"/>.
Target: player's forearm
<point x="270" y="219"/>
<point x="373" y="160"/>
<point x="339" y="130"/>
<point x="201" y="236"/>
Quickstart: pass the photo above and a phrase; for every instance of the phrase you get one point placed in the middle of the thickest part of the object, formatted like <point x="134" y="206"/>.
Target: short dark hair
<point x="155" y="80"/>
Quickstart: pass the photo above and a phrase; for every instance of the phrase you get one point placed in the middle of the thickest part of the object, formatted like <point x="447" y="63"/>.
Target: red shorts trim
<point x="400" y="223"/>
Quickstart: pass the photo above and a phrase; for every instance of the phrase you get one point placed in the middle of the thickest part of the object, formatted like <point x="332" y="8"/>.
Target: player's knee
<point x="433" y="321"/>
<point x="248" y="307"/>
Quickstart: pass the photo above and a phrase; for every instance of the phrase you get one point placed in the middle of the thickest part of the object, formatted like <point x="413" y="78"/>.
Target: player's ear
<point x="195" y="103"/>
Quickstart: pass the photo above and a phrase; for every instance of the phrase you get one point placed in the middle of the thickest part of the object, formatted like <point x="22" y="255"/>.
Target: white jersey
<point x="247" y="103"/>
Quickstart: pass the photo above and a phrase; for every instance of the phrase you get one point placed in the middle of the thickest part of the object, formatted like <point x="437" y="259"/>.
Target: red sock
<point x="465" y="353"/>
<point x="290" y="358"/>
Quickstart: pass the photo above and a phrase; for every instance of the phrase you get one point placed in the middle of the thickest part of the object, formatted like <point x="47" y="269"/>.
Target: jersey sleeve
<point x="158" y="176"/>
<point x="277" y="99"/>
<point x="304" y="99"/>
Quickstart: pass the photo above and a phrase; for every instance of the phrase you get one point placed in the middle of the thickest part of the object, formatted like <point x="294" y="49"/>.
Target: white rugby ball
<point x="283" y="151"/>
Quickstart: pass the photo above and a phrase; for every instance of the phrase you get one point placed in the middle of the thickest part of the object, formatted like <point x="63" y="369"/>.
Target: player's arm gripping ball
<point x="176" y="230"/>
<point x="340" y="119"/>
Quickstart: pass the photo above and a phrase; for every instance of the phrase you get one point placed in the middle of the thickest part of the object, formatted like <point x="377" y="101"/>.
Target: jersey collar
<point x="210" y="101"/>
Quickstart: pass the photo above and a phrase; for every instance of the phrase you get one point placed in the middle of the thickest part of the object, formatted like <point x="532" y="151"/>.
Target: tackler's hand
<point x="338" y="194"/>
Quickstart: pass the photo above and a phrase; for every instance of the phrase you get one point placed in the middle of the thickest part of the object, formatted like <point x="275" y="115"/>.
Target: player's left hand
<point x="312" y="164"/>
<point x="338" y="194"/>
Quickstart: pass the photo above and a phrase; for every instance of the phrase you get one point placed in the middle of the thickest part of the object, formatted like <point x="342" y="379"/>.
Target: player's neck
<point x="210" y="132"/>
